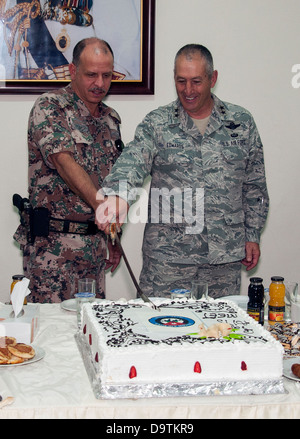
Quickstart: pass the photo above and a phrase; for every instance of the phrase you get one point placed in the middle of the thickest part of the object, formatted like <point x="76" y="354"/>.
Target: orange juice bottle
<point x="276" y="302"/>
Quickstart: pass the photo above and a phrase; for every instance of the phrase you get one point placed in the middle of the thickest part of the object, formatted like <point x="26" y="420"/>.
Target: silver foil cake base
<point x="171" y="390"/>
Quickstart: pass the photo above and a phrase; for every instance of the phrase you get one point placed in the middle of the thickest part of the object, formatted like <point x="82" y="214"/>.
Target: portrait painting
<point x="37" y="38"/>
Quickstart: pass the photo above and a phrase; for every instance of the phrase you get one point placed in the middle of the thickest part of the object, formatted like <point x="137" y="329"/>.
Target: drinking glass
<point x="86" y="293"/>
<point x="291" y="291"/>
<point x="199" y="290"/>
<point x="86" y="285"/>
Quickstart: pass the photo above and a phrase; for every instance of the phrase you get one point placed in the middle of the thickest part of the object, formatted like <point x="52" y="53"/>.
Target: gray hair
<point x="190" y="50"/>
<point x="81" y="45"/>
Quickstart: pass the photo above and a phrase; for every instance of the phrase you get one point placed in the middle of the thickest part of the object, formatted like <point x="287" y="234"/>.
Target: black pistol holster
<point x="26" y="213"/>
<point x="38" y="221"/>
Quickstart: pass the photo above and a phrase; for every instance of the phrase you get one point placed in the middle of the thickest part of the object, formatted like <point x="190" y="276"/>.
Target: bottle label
<point x="276" y="314"/>
<point x="257" y="314"/>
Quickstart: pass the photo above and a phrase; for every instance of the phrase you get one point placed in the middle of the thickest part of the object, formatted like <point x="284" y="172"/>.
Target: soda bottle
<point x="255" y="307"/>
<point x="276" y="302"/>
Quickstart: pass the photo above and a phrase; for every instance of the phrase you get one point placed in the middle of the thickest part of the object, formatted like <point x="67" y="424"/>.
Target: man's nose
<point x="188" y="88"/>
<point x="99" y="82"/>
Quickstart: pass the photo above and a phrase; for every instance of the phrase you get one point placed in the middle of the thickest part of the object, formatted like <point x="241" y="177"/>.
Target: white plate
<point x="241" y="301"/>
<point x="287" y="364"/>
<point x="70" y="304"/>
<point x="39" y="354"/>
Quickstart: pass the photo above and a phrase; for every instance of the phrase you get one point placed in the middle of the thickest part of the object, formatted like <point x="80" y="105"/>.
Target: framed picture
<point x="37" y="38"/>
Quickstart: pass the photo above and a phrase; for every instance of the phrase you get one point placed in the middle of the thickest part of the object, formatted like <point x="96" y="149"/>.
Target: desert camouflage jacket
<point x="226" y="162"/>
<point x="60" y="121"/>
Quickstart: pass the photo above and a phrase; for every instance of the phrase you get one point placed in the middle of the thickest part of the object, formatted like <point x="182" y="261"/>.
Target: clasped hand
<point x="112" y="209"/>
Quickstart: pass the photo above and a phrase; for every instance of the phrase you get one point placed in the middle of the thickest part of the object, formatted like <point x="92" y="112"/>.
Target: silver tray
<point x="158" y="390"/>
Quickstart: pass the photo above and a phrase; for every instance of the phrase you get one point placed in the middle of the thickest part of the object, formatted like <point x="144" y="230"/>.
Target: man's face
<point x="193" y="85"/>
<point x="92" y="78"/>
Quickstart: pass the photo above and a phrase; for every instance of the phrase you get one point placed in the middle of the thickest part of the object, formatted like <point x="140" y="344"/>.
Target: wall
<point x="255" y="44"/>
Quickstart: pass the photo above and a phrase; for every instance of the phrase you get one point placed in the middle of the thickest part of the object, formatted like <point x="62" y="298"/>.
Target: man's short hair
<point x="190" y="49"/>
<point x="81" y="45"/>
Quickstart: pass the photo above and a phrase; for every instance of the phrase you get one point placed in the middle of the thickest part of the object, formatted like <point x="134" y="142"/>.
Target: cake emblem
<point x="172" y="321"/>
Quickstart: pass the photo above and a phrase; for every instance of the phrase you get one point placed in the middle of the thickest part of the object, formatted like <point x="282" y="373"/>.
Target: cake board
<point x="158" y="390"/>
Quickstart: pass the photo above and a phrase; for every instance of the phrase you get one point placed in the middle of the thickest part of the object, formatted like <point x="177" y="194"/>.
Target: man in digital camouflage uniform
<point x="211" y="151"/>
<point x="73" y="141"/>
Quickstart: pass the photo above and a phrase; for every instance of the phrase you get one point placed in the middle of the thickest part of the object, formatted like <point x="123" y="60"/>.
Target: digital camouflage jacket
<point x="226" y="164"/>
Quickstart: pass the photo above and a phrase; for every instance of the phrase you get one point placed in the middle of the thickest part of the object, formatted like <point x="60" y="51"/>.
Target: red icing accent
<point x="132" y="373"/>
<point x="243" y="365"/>
<point x="96" y="357"/>
<point x="90" y="339"/>
<point x="197" y="367"/>
<point x="84" y="329"/>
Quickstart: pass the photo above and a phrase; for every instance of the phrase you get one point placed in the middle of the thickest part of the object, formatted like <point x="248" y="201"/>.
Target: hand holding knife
<point x="114" y="230"/>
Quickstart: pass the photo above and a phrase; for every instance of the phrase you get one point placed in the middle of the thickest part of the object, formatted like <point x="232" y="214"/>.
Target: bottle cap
<point x="256" y="280"/>
<point x="277" y="278"/>
<point x="18" y="276"/>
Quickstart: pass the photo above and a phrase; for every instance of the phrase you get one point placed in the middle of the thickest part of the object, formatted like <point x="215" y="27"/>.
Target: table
<point x="58" y="387"/>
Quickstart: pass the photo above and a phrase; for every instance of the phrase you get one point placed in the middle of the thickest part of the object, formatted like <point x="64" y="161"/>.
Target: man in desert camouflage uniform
<point x="209" y="147"/>
<point x="73" y="141"/>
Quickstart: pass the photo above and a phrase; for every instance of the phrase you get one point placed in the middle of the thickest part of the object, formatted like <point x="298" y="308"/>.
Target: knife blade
<point x="142" y="295"/>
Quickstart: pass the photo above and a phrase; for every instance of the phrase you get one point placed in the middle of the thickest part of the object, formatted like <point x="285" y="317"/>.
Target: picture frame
<point x="144" y="84"/>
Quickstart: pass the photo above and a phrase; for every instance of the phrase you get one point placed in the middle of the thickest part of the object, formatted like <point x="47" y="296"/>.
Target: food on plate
<point x="4" y="355"/>
<point x="5" y="341"/>
<point x="15" y="360"/>
<point x="12" y="352"/>
<point x="296" y="369"/>
<point x="288" y="334"/>
<point x="22" y="350"/>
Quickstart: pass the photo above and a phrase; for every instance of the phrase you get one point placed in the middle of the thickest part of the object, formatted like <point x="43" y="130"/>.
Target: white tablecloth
<point x="58" y="387"/>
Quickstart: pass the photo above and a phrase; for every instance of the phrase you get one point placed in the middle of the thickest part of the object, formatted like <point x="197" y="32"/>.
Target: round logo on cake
<point x="172" y="321"/>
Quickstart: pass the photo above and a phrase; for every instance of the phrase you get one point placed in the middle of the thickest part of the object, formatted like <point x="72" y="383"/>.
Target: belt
<point x="73" y="227"/>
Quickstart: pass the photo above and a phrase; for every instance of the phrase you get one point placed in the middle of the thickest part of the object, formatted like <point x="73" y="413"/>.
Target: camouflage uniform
<point x="60" y="121"/>
<point x="227" y="162"/>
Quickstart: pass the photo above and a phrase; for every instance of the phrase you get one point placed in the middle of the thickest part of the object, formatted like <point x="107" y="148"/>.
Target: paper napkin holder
<point x="25" y="327"/>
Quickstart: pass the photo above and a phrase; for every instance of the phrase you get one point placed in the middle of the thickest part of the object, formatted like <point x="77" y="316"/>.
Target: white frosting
<point x="121" y="335"/>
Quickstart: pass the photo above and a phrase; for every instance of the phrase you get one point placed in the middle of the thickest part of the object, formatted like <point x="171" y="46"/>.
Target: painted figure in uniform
<point x="208" y="198"/>
<point x="74" y="140"/>
<point x="39" y="36"/>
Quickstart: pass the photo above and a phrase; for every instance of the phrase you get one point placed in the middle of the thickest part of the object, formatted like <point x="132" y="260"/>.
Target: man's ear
<point x="72" y="70"/>
<point x="214" y="78"/>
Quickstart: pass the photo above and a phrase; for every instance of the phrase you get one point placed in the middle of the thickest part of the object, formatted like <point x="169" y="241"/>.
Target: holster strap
<point x="74" y="227"/>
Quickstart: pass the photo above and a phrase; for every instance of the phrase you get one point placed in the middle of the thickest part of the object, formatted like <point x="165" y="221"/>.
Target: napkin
<point x="18" y="295"/>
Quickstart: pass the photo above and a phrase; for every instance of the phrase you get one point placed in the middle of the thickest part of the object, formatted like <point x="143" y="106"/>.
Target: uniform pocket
<point x="234" y="218"/>
<point x="233" y="153"/>
<point x="173" y="156"/>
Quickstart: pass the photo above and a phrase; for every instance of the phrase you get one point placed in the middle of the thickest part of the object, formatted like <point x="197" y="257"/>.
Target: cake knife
<point x="115" y="238"/>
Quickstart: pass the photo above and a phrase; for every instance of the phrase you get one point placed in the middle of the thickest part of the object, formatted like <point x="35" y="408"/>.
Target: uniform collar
<point x="73" y="99"/>
<point x="220" y="111"/>
<point x="220" y="114"/>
